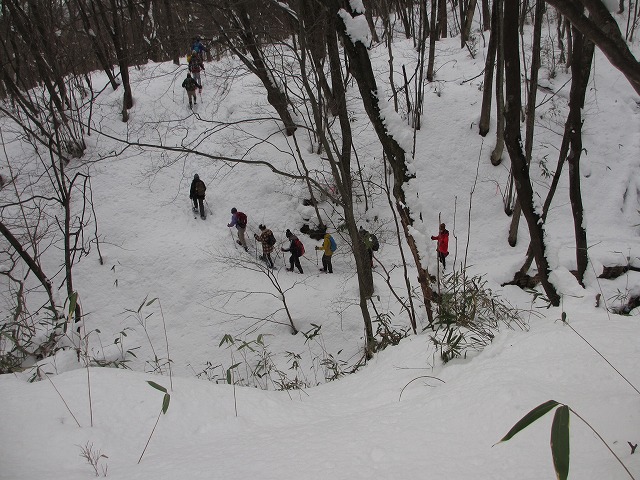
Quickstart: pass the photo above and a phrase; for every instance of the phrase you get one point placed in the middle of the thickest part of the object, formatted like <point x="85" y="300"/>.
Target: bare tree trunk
<point x="580" y="70"/>
<point x="433" y="36"/>
<point x="602" y="29"/>
<point x="340" y="167"/>
<point x="119" y="44"/>
<point x="97" y="47"/>
<point x="174" y="49"/>
<point x="560" y="35"/>
<point x="466" y="28"/>
<point x="372" y="26"/>
<point x="365" y="77"/>
<point x="496" y="154"/>
<point x="443" y="29"/>
<point x="513" y="142"/>
<point x="242" y="24"/>
<point x="531" y="110"/>
<point x="489" y="67"/>
<point x="486" y="15"/>
<point x="569" y="44"/>
<point x="31" y="263"/>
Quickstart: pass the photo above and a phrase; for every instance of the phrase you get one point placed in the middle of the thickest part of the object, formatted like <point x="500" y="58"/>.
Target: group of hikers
<point x="266" y="238"/>
<point x="193" y="81"/>
<point x="296" y="248"/>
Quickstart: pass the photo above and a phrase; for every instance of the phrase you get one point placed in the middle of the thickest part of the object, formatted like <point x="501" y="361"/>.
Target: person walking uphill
<point x="296" y="249"/>
<point x="195" y="67"/>
<point x="196" y="194"/>
<point x="267" y="240"/>
<point x="443" y="244"/>
<point x="328" y="247"/>
<point x="190" y="86"/>
<point x="239" y="220"/>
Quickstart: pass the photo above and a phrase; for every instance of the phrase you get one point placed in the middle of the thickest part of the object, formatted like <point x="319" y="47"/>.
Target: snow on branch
<point x="356" y="27"/>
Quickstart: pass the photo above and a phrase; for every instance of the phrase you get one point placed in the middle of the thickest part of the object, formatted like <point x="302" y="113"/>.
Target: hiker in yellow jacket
<point x="328" y="247"/>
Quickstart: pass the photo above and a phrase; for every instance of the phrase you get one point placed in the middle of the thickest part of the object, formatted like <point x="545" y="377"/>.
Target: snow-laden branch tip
<point x="356" y="27"/>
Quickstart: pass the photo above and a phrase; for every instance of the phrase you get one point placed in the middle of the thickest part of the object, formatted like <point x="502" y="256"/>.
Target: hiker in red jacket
<point x="443" y="244"/>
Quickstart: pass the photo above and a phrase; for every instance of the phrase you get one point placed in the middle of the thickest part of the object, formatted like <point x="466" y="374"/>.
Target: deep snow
<point x="391" y="419"/>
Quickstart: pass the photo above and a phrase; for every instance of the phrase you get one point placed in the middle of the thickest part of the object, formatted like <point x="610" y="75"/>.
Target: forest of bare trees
<point x="49" y="48"/>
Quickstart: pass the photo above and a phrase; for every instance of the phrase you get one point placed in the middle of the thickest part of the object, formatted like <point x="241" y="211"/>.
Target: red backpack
<point x="241" y="219"/>
<point x="299" y="247"/>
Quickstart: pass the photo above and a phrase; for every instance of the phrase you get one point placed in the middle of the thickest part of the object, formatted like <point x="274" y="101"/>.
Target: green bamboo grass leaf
<point x="142" y="304"/>
<point x="560" y="442"/>
<point x="529" y="418"/>
<point x="73" y="300"/>
<point x="156" y="386"/>
<point x="151" y="301"/>
<point x="165" y="403"/>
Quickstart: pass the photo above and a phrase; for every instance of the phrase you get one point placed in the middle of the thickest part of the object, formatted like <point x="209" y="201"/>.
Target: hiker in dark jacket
<point x="190" y="86"/>
<point x="196" y="194"/>
<point x="267" y="247"/>
<point x="294" y="259"/>
<point x="443" y="244"/>
<point x="195" y="67"/>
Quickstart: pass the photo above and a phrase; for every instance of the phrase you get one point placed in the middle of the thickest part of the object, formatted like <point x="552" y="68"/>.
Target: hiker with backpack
<point x="443" y="244"/>
<point x="195" y="67"/>
<point x="239" y="220"/>
<point x="190" y="86"/>
<point x="267" y="240"/>
<point x="370" y="241"/>
<point x="296" y="249"/>
<point x="328" y="247"/>
<point x="196" y="194"/>
<point x="198" y="47"/>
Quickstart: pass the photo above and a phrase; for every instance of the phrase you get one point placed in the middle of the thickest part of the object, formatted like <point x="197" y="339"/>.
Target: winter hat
<point x="188" y="75"/>
<point x="196" y="177"/>
<point x="262" y="227"/>
<point x="288" y="233"/>
<point x="234" y="210"/>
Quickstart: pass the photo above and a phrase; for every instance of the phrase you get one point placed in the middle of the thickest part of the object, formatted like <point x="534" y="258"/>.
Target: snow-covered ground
<point x="404" y="414"/>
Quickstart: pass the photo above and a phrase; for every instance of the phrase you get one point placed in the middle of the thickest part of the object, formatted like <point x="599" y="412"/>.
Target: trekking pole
<point x="233" y="239"/>
<point x="317" y="258"/>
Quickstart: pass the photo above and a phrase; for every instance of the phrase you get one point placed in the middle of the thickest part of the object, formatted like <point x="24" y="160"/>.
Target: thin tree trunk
<point x="602" y="29"/>
<point x="174" y="49"/>
<point x="31" y="263"/>
<point x="489" y="67"/>
<point x="365" y="77"/>
<point x="513" y="142"/>
<point x="97" y="47"/>
<point x="466" y="28"/>
<point x="486" y="15"/>
<point x="580" y="70"/>
<point x="531" y="110"/>
<point x="442" y="18"/>
<point x="433" y="36"/>
<point x="496" y="154"/>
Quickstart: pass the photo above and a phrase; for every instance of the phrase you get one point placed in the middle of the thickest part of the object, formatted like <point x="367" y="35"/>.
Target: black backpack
<point x="271" y="240"/>
<point x="200" y="188"/>
<point x="375" y="245"/>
